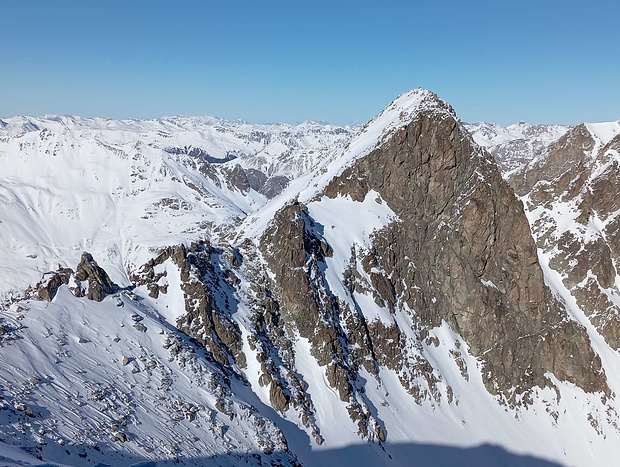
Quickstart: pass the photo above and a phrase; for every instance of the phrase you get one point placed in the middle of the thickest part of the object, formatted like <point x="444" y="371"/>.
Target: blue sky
<point x="538" y="61"/>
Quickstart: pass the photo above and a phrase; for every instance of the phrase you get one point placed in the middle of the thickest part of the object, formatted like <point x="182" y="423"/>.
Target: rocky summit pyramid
<point x="308" y="295"/>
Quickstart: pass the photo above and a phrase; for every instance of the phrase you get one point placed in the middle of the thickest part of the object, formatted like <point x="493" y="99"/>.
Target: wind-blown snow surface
<point x="93" y="371"/>
<point x="90" y="371"/>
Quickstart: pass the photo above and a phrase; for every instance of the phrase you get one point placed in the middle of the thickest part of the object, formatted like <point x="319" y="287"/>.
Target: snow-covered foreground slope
<point x="385" y="308"/>
<point x="102" y="389"/>
<point x="113" y="382"/>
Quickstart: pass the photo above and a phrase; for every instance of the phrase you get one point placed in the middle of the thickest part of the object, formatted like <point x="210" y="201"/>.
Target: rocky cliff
<point x="572" y="195"/>
<point x="459" y="251"/>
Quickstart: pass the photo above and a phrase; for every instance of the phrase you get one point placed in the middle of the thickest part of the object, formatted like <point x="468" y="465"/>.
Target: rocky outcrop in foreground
<point x="89" y="280"/>
<point x="208" y="297"/>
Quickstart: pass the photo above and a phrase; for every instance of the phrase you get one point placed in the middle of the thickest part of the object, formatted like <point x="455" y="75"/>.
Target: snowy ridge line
<point x="128" y="377"/>
<point x="173" y="124"/>
<point x="404" y="109"/>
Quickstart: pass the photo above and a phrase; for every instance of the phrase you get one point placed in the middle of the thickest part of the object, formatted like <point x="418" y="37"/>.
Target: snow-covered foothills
<point x="120" y="382"/>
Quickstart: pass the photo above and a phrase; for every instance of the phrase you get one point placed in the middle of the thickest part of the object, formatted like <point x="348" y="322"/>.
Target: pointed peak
<point x="403" y="110"/>
<point x="417" y="101"/>
<point x="398" y="114"/>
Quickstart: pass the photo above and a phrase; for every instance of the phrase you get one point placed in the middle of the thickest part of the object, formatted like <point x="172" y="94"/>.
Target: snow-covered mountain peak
<point x="400" y="112"/>
<point x="604" y="132"/>
<point x="490" y="135"/>
<point x="396" y="116"/>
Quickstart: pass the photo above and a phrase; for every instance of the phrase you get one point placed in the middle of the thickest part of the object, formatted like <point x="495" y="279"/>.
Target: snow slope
<point x="604" y="132"/>
<point x="91" y="371"/>
<point x="120" y="191"/>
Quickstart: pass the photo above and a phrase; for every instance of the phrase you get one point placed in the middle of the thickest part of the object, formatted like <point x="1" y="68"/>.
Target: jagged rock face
<point x="246" y="179"/>
<point x="210" y="288"/>
<point x="308" y="305"/>
<point x="238" y="179"/>
<point x="572" y="196"/>
<point x="256" y="179"/>
<point x="460" y="252"/>
<point x="208" y="298"/>
<point x="49" y="285"/>
<point x="308" y="308"/>
<point x="274" y="186"/>
<point x="300" y="303"/>
<point x="99" y="283"/>
<point x="569" y="152"/>
<point x="469" y="241"/>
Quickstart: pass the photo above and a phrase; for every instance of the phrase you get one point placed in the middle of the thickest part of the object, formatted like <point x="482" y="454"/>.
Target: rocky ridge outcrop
<point x="208" y="292"/>
<point x="99" y="283"/>
<point x="51" y="282"/>
<point x="296" y="255"/>
<point x="571" y="193"/>
<point x="460" y="252"/>
<point x="88" y="280"/>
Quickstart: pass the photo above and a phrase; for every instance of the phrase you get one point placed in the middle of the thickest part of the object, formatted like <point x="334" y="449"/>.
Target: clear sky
<point x="338" y="61"/>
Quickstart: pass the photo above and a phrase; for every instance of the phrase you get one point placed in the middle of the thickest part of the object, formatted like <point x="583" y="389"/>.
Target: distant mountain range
<point x="413" y="291"/>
